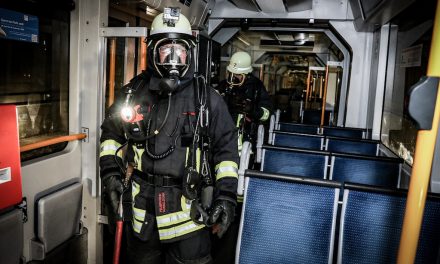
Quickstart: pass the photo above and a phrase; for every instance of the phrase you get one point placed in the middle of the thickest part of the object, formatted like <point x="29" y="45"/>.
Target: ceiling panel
<point x="272" y="6"/>
<point x="245" y="4"/>
<point x="298" y="5"/>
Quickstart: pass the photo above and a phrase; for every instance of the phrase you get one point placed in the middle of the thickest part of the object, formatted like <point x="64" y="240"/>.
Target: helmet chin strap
<point x="232" y="82"/>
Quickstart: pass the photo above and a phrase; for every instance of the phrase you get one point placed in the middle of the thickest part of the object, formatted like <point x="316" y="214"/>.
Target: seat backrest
<point x="304" y="163"/>
<point x="313" y="117"/>
<point x="343" y="132"/>
<point x="378" y="171"/>
<point x="371" y="225"/>
<point x="295" y="140"/>
<point x="11" y="236"/>
<point x="244" y="165"/>
<point x="362" y="147"/>
<point x="272" y="127"/>
<point x="58" y="216"/>
<point x="298" y="128"/>
<point x="287" y="222"/>
<point x="260" y="142"/>
<point x="277" y="116"/>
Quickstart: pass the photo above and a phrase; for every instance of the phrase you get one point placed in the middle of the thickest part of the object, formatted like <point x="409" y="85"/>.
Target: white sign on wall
<point x="411" y="57"/>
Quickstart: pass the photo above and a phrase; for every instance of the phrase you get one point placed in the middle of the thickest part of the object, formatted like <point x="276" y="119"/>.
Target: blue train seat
<point x="296" y="140"/>
<point x="287" y="220"/>
<point x="361" y="147"/>
<point x="378" y="171"/>
<point x="298" y="128"/>
<point x="304" y="163"/>
<point x="343" y="132"/>
<point x="371" y="224"/>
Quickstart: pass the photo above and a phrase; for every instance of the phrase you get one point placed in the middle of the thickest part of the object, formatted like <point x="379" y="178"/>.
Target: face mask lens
<point x="172" y="54"/>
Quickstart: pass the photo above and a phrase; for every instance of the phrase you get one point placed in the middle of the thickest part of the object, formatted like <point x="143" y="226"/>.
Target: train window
<point x="410" y="41"/>
<point x="35" y="71"/>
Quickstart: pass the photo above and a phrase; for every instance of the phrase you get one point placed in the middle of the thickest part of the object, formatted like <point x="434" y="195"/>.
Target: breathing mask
<point x="171" y="58"/>
<point x="235" y="79"/>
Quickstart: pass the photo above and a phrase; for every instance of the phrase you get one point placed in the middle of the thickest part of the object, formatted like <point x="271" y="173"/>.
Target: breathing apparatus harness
<point x="198" y="184"/>
<point x="140" y="133"/>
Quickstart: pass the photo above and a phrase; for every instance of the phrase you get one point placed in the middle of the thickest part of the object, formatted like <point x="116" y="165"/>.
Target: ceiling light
<point x="244" y="41"/>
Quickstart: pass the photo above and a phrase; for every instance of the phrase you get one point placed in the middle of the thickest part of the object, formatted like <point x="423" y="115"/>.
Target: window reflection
<point x="35" y="77"/>
<point x="410" y="42"/>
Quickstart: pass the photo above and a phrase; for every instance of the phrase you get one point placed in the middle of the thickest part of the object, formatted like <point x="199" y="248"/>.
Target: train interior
<point x="339" y="149"/>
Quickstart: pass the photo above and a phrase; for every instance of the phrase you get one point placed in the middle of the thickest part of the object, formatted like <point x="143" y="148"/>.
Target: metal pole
<point x="112" y="71"/>
<point x="421" y="171"/>
<point x="308" y="90"/>
<point x="143" y="55"/>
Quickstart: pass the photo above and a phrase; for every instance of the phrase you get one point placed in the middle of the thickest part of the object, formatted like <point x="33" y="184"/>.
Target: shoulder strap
<point x="202" y="101"/>
<point x="137" y="81"/>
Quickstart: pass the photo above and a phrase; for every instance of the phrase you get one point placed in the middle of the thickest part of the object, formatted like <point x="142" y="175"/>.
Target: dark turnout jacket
<point x="253" y="93"/>
<point x="155" y="200"/>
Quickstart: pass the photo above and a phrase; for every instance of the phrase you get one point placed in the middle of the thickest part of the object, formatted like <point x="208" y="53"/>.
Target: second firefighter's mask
<point x="235" y="79"/>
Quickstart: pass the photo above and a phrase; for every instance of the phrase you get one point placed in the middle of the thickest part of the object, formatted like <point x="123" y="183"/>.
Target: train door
<point x="124" y="55"/>
<point x="332" y="88"/>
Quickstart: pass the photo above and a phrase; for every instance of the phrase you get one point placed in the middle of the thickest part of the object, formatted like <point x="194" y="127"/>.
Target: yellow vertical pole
<point x="421" y="170"/>
<point x="324" y="98"/>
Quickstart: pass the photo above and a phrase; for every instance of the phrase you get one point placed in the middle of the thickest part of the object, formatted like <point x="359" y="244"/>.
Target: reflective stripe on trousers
<point x="138" y="214"/>
<point x="177" y="224"/>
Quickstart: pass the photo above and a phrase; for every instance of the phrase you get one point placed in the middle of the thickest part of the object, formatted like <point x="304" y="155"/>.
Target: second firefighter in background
<point x="248" y="101"/>
<point x="249" y="105"/>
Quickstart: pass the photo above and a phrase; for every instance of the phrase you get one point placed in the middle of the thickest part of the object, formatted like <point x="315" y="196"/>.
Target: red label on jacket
<point x="162" y="204"/>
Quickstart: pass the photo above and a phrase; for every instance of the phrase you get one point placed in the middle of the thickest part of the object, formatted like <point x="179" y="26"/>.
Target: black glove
<point x="113" y="187"/>
<point x="247" y="106"/>
<point x="241" y="104"/>
<point x="222" y="214"/>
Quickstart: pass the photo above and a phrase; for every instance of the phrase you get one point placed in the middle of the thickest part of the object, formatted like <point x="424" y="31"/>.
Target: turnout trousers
<point x="154" y="206"/>
<point x="191" y="250"/>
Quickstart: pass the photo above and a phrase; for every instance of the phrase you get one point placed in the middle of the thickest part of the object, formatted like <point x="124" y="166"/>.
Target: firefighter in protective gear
<point x="161" y="117"/>
<point x="246" y="97"/>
